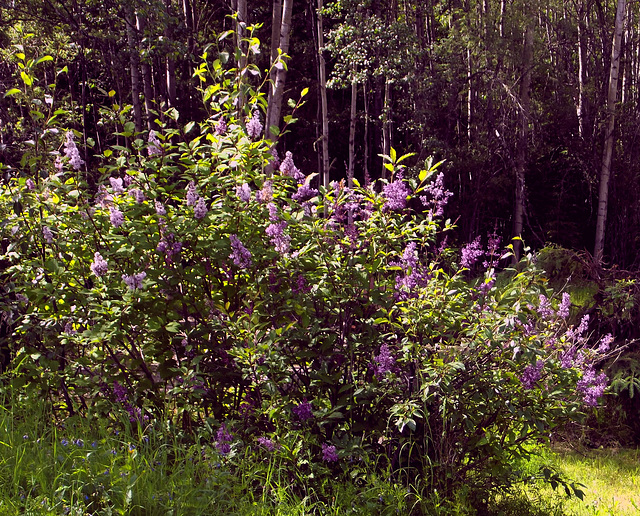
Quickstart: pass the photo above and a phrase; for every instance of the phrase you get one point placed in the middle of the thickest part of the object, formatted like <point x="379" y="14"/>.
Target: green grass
<point x="87" y="467"/>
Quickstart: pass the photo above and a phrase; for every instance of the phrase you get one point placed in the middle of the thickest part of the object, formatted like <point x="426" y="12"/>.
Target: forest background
<point x="516" y="96"/>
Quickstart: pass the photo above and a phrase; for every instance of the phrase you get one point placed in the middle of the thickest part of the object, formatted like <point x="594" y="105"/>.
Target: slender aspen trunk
<point x="386" y="124"/>
<point x="241" y="25"/>
<point x="469" y="96"/>
<point x="523" y="138"/>
<point x="605" y="173"/>
<point x="170" y="64"/>
<point x="582" y="65"/>
<point x="134" y="61"/>
<point x="323" y="98"/>
<point x="147" y="78"/>
<point x="352" y="131"/>
<point x="367" y="176"/>
<point x="276" y="21"/>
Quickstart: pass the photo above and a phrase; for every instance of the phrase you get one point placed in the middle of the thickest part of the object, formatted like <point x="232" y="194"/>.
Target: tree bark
<point x="170" y="64"/>
<point x="323" y="98"/>
<point x="386" y="124"/>
<point x="275" y="106"/>
<point x="276" y="26"/>
<point x="241" y="25"/>
<point x="605" y="173"/>
<point x="523" y="139"/>
<point x="352" y="131"/>
<point x="581" y="108"/>
<point x="147" y="79"/>
<point x="134" y="60"/>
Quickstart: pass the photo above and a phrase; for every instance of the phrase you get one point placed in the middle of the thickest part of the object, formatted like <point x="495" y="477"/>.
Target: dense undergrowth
<point x="211" y="320"/>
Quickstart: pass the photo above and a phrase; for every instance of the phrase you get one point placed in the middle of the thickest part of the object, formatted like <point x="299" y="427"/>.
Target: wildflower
<point x="563" y="309"/>
<point x="531" y="375"/>
<point x="120" y="392"/>
<point x="79" y="443"/>
<point x="30" y="184"/>
<point x="200" y="210"/>
<point x="116" y="217"/>
<point x="64" y="442"/>
<point x="329" y="453"/>
<point x="279" y="239"/>
<point x="396" y="194"/>
<point x="192" y="195"/>
<point x="221" y="127"/>
<point x="58" y="164"/>
<point x="303" y="411"/>
<point x="240" y="255"/>
<point x="243" y="192"/>
<point x="471" y="253"/>
<point x="384" y="362"/>
<point x="135" y="280"/>
<point x="437" y="196"/>
<point x="267" y="443"/>
<point x="116" y="184"/>
<point x="254" y="126"/>
<point x="223" y="440"/>
<point x="48" y="236"/>
<point x="71" y="152"/>
<point x="154" y="146"/>
<point x="99" y="266"/>
<point x="288" y="168"/>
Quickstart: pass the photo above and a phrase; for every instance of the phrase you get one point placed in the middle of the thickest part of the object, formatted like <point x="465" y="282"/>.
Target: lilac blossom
<point x="329" y="453"/>
<point x="544" y="308"/>
<point x="154" y="146"/>
<point x="138" y="195"/>
<point x="438" y="196"/>
<point x="30" y="184"/>
<point x="240" y="255"/>
<point x="273" y="212"/>
<point x="71" y="152"/>
<point x="384" y="362"/>
<point x="223" y="439"/>
<point x="243" y="192"/>
<point x="266" y="193"/>
<point x="116" y="217"/>
<point x="99" y="266"/>
<point x="605" y="343"/>
<point x="578" y="333"/>
<point x="192" y="195"/>
<point x="278" y="238"/>
<point x="288" y="168"/>
<point x="563" y="309"/>
<point x="160" y="209"/>
<point x="267" y="443"/>
<point x="58" y="164"/>
<point x="47" y="234"/>
<point x="120" y="393"/>
<point x="303" y="411"/>
<point x="116" y="184"/>
<point x="531" y="375"/>
<point x="471" y="253"/>
<point x="200" y="210"/>
<point x="221" y="127"/>
<point x="396" y="194"/>
<point x="254" y="126"/>
<point x="304" y="193"/>
<point x="135" y="280"/>
<point x="591" y="387"/>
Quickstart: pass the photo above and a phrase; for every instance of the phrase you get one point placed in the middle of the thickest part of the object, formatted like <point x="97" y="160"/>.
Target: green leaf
<point x="304" y="92"/>
<point x="26" y="78"/>
<point x="12" y="91"/>
<point x="43" y="59"/>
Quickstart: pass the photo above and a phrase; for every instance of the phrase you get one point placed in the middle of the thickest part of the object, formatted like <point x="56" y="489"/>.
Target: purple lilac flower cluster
<point x="413" y="275"/>
<point x="565" y="304"/>
<point x="591" y="386"/>
<point x="99" y="266"/>
<point x="240" y="255"/>
<point x="168" y="245"/>
<point x="116" y="217"/>
<point x="72" y="152"/>
<point x="254" y="126"/>
<point x="532" y="373"/>
<point x="396" y="194"/>
<point x="154" y="147"/>
<point x="193" y="199"/>
<point x="267" y="443"/>
<point x="134" y="281"/>
<point x="384" y="362"/>
<point x="288" y="168"/>
<point x="221" y="127"/>
<point x="280" y="240"/>
<point x="116" y="185"/>
<point x="303" y="411"/>
<point x="47" y="234"/>
<point x="471" y="253"/>
<point x="266" y="192"/>
<point x="244" y="192"/>
<point x="437" y="196"/>
<point x="224" y="438"/>
<point x="329" y="453"/>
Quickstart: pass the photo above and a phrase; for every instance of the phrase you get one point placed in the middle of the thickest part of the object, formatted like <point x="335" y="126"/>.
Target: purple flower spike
<point x="531" y="375"/>
<point x="99" y="266"/>
<point x="329" y="453"/>
<point x="221" y="127"/>
<point x="135" y="280"/>
<point x="154" y="146"/>
<point x="200" y="210"/>
<point x="244" y="192"/>
<point x="116" y="217"/>
<point x="254" y="126"/>
<point x="396" y="194"/>
<point x="223" y="439"/>
<point x="240" y="255"/>
<point x="303" y="411"/>
<point x="72" y="152"/>
<point x="471" y="253"/>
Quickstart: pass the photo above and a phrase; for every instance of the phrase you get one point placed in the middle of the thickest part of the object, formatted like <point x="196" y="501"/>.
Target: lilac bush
<point x="326" y="318"/>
